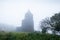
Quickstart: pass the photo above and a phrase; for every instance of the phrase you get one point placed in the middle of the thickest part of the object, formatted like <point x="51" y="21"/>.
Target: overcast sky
<point x="12" y="12"/>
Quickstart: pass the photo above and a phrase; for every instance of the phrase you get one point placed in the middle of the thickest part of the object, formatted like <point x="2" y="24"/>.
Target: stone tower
<point x="27" y="23"/>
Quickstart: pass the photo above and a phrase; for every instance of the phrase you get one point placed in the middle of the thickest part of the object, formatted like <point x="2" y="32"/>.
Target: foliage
<point x="52" y="23"/>
<point x="27" y="36"/>
<point x="56" y="21"/>
<point x="45" y="25"/>
<point x="55" y="17"/>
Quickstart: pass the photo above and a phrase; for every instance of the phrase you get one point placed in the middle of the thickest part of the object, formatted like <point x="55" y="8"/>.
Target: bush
<point x="27" y="36"/>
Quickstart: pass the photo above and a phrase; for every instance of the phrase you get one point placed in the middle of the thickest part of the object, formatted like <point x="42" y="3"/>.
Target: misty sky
<point x="12" y="12"/>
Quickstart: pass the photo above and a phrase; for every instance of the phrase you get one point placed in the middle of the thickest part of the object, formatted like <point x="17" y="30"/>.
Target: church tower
<point x="27" y="23"/>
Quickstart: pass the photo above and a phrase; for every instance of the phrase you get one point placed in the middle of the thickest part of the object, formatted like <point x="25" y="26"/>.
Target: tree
<point x="52" y="23"/>
<point x="45" y="25"/>
<point x="56" y="21"/>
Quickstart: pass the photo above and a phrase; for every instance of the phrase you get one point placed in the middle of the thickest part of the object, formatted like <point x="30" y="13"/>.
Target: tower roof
<point x="28" y="12"/>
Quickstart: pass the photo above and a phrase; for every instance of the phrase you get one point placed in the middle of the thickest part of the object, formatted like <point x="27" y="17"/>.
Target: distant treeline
<point x="27" y="36"/>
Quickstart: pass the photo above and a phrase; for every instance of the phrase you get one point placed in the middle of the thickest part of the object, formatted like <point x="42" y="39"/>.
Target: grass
<point x="27" y="36"/>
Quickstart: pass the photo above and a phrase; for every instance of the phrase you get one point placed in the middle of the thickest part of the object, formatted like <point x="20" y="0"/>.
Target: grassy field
<point x="27" y="36"/>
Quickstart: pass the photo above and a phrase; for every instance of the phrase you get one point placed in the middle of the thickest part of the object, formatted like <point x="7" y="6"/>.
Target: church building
<point x="27" y="23"/>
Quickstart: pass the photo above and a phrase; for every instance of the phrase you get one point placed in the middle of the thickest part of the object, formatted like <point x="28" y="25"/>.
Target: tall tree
<point x="56" y="20"/>
<point x="52" y="23"/>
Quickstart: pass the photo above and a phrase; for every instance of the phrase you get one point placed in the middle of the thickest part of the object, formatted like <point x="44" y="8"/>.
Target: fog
<point x="12" y="12"/>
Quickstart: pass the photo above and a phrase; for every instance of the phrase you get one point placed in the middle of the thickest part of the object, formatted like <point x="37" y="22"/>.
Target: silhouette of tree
<point x="52" y="23"/>
<point x="56" y="20"/>
<point x="45" y="25"/>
